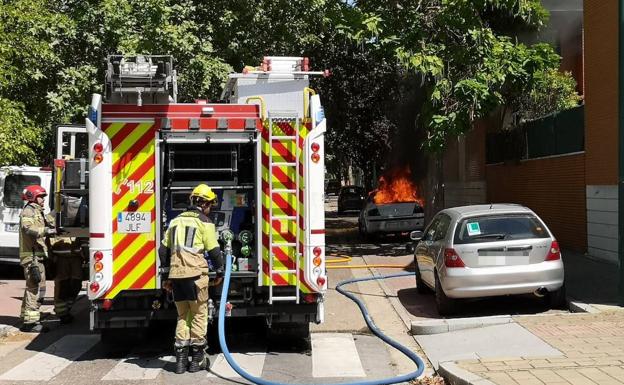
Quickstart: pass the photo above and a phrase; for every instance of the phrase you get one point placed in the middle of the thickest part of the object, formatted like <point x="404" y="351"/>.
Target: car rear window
<point x="13" y="187"/>
<point x="353" y="190"/>
<point x="494" y="228"/>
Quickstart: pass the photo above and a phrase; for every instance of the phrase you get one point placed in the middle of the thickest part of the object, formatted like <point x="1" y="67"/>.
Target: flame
<point x="396" y="186"/>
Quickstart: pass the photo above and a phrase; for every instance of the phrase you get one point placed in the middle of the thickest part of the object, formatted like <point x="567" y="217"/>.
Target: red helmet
<point x="31" y="193"/>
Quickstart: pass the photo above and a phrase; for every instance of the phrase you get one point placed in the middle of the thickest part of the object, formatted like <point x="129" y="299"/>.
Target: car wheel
<point x="421" y="287"/>
<point x="446" y="305"/>
<point x="363" y="231"/>
<point x="557" y="298"/>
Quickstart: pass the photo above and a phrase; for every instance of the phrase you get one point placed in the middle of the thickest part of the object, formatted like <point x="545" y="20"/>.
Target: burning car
<point x="394" y="207"/>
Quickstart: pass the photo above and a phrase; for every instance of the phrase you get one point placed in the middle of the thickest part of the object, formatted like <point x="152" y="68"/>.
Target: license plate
<point x="11" y="227"/>
<point x="492" y="261"/>
<point x="134" y="222"/>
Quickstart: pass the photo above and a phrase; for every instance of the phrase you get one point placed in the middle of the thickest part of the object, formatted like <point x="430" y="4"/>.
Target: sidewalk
<point x="581" y="348"/>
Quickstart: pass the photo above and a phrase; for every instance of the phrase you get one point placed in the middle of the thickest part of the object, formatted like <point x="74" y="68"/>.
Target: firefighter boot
<point x="181" y="353"/>
<point x="199" y="360"/>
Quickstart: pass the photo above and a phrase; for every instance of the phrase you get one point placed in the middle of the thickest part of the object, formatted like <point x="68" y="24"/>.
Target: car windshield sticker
<point x="473" y="229"/>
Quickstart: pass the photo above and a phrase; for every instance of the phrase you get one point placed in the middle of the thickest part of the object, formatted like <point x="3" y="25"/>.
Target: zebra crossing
<point x="332" y="355"/>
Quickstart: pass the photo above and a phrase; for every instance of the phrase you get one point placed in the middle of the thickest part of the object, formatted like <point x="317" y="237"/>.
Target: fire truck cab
<point x="261" y="151"/>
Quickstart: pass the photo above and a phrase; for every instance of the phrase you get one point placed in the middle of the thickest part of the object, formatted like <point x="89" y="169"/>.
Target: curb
<point x="448" y="325"/>
<point x="458" y="376"/>
<point x="581" y="307"/>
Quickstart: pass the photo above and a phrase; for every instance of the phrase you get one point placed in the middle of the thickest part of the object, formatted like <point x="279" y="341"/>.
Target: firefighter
<point x="68" y="279"/>
<point x="189" y="237"/>
<point x="34" y="228"/>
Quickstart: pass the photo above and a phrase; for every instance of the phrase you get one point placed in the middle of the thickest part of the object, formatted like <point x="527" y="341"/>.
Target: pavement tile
<point x="592" y="346"/>
<point x="499" y="359"/>
<point x="574" y="377"/>
<point x="597" y="375"/>
<point x="475" y="368"/>
<point x="522" y="375"/>
<point x="614" y="371"/>
<point x="607" y="361"/>
<point x="501" y="378"/>
<point x="521" y="365"/>
<point x="546" y="375"/>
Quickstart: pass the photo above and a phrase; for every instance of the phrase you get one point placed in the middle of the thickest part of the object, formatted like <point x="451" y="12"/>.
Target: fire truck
<point x="261" y="149"/>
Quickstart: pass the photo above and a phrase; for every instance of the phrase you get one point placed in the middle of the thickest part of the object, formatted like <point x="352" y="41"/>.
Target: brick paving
<point x="592" y="346"/>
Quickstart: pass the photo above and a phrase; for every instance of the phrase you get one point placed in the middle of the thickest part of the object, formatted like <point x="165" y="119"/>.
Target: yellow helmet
<point x="204" y="192"/>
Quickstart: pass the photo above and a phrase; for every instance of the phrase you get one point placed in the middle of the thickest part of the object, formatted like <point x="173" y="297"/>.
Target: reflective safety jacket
<point x="189" y="236"/>
<point x="33" y="223"/>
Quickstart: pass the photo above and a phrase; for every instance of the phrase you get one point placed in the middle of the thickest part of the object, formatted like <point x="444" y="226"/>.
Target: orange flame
<point x="396" y="186"/>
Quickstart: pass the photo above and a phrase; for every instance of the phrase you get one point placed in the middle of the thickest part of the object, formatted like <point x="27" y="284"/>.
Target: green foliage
<point x="553" y="91"/>
<point x="439" y="63"/>
<point x="19" y="137"/>
<point x="471" y="68"/>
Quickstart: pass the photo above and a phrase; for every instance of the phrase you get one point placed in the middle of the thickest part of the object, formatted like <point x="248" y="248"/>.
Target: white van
<point x="13" y="180"/>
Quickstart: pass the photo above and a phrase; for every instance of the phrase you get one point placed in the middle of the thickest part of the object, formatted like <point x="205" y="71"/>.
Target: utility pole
<point x="621" y="148"/>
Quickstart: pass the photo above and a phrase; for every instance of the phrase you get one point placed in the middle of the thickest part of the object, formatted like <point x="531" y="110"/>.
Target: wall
<point x="602" y="222"/>
<point x="601" y="126"/>
<point x="553" y="187"/>
<point x="464" y="169"/>
<point x="601" y="98"/>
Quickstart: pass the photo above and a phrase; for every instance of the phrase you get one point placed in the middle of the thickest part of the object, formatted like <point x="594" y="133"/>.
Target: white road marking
<point x="335" y="355"/>
<point x="45" y="365"/>
<point x="137" y="369"/>
<point x="252" y="363"/>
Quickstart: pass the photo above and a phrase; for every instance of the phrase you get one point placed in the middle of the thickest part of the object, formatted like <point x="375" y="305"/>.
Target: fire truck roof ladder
<point x="289" y="141"/>
<point x="135" y="79"/>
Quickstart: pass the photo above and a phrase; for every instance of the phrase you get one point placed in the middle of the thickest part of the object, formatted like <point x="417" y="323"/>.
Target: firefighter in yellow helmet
<point x="35" y="226"/>
<point x="189" y="237"/>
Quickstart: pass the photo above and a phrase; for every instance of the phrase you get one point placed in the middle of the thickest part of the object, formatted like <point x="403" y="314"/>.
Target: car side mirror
<point x="416" y="235"/>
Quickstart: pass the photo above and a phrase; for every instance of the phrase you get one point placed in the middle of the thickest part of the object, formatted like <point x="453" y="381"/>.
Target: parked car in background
<point x="13" y="180"/>
<point x="332" y="187"/>
<point x="351" y="198"/>
<point x="488" y="250"/>
<point x="390" y="218"/>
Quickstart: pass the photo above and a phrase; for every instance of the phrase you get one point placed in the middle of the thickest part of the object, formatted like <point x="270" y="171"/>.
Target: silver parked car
<point x="487" y="250"/>
<point x="388" y="218"/>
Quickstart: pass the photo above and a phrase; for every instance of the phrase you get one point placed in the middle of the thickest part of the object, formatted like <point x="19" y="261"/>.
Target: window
<point x="431" y="229"/>
<point x="442" y="228"/>
<point x="13" y="187"/>
<point x="75" y="144"/>
<point x="497" y="227"/>
<point x="353" y="190"/>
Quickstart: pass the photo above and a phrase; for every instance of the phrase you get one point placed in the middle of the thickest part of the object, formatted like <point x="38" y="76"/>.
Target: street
<point x="340" y="350"/>
<point x="425" y="193"/>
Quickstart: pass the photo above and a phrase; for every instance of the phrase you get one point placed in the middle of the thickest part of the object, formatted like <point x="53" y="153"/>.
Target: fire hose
<point x="420" y="365"/>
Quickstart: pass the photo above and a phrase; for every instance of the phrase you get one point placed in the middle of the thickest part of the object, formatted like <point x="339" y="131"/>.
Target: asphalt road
<point x="339" y="350"/>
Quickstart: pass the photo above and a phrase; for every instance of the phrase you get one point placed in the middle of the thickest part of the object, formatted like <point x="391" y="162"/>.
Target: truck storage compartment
<point x="229" y="169"/>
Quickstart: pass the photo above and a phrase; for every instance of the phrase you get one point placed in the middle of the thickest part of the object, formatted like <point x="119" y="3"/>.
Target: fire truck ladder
<point x="288" y="139"/>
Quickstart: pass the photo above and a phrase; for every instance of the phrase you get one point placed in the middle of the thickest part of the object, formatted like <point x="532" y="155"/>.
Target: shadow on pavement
<point x="589" y="280"/>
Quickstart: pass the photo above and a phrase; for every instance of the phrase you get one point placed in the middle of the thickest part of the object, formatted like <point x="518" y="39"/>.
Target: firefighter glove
<point x="35" y="274"/>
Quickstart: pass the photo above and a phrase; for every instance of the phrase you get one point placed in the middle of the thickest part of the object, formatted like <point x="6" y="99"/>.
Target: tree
<point x="470" y="67"/>
<point x="29" y="37"/>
